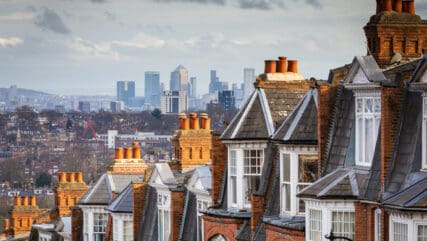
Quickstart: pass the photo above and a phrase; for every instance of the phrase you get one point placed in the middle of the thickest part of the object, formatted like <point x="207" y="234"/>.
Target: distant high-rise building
<point x="214" y="84"/>
<point x="173" y="102"/>
<point x="117" y="106"/>
<point x="84" y="106"/>
<point x="179" y="79"/>
<point x="193" y="89"/>
<point x="226" y="98"/>
<point x="152" y="88"/>
<point x="248" y="81"/>
<point x="125" y="91"/>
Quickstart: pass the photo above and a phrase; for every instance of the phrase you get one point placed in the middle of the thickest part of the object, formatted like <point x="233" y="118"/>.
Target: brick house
<point x="248" y="172"/>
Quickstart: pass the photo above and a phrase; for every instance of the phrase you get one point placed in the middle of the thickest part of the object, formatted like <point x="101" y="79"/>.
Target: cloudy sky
<point x="85" y="46"/>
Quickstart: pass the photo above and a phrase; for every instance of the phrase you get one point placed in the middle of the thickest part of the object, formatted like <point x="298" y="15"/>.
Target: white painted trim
<point x="266" y="110"/>
<point x="243" y="117"/>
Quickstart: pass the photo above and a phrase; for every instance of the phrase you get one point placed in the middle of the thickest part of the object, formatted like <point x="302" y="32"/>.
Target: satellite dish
<point x="397" y="57"/>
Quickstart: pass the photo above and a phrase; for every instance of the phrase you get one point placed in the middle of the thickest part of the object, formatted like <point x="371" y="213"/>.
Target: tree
<point x="12" y="171"/>
<point x="43" y="180"/>
<point x="157" y="113"/>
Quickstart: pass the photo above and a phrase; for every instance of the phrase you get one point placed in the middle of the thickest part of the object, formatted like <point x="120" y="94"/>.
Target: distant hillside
<point x="4" y="92"/>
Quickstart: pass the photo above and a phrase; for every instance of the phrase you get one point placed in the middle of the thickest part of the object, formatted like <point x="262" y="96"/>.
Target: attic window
<point x="368" y="116"/>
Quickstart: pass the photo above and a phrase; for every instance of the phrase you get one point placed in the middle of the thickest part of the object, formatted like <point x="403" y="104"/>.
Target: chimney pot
<point x="293" y="66"/>
<point x="119" y="153"/>
<point x="62" y="176"/>
<point x="194" y="121"/>
<point x="182" y="117"/>
<point x="207" y="123"/>
<point x="411" y="7"/>
<point x="281" y="65"/>
<point x="6" y="224"/>
<point x="397" y="6"/>
<point x="79" y="177"/>
<point x="388" y="5"/>
<point x="186" y="124"/>
<point x="203" y="117"/>
<point x="25" y="201"/>
<point x="270" y="66"/>
<point x="70" y="177"/>
<point x="33" y="201"/>
<point x="128" y="153"/>
<point x="136" y="152"/>
<point x="17" y="201"/>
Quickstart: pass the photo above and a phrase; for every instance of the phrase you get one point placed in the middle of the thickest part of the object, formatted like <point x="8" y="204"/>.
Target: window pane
<point x="286" y="168"/>
<point x="422" y="233"/>
<point x="127" y="230"/>
<point x="233" y="190"/>
<point x="301" y="203"/>
<point x="343" y="224"/>
<point x="286" y="197"/>
<point x="360" y="142"/>
<point x="359" y="105"/>
<point x="369" y="105"/>
<point x="307" y="170"/>
<point x="233" y="162"/>
<point x="400" y="231"/>
<point x="315" y="225"/>
<point x="377" y="108"/>
<point x="251" y="184"/>
<point x="370" y="145"/>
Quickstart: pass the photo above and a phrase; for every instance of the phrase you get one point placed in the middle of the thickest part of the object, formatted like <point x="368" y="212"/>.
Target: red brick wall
<point x="326" y="102"/>
<point x="391" y="99"/>
<point x="274" y="233"/>
<point x="219" y="164"/>
<point x="76" y="224"/>
<point x="257" y="210"/>
<point x="138" y="202"/>
<point x="225" y="226"/>
<point x="365" y="221"/>
<point x="177" y="209"/>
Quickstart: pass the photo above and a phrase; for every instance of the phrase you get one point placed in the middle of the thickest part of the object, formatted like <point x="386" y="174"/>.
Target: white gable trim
<point x="267" y="113"/>
<point x="360" y="77"/>
<point x="243" y="117"/>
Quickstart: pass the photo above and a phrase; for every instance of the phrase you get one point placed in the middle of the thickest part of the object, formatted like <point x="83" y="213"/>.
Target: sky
<point x="85" y="46"/>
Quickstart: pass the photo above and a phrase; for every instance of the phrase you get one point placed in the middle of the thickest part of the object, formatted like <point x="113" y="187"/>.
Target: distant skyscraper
<point x="152" y="87"/>
<point x="214" y="84"/>
<point x="248" y="81"/>
<point x="125" y="91"/>
<point x="179" y="79"/>
<point x="84" y="106"/>
<point x="173" y="102"/>
<point x="116" y="106"/>
<point x="227" y="99"/>
<point x="193" y="89"/>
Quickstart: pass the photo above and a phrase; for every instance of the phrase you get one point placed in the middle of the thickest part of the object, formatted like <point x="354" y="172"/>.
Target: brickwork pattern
<point x="219" y="164"/>
<point x="138" y="202"/>
<point x="76" y="224"/>
<point x="274" y="233"/>
<point x="177" y="210"/>
<point x="225" y="226"/>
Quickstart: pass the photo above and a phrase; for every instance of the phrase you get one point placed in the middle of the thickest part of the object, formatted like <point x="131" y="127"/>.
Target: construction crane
<point x="89" y="127"/>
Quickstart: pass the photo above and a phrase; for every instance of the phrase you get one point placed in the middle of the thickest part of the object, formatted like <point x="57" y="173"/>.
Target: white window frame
<point x="412" y="220"/>
<point x="236" y="153"/>
<point x="343" y="222"/>
<point x="119" y="221"/>
<point x="102" y="225"/>
<point x="362" y="114"/>
<point x="164" y="213"/>
<point x="424" y="133"/>
<point x="202" y="204"/>
<point x="311" y="220"/>
<point x="88" y="220"/>
<point x="378" y="224"/>
<point x="293" y="182"/>
<point x="327" y="207"/>
<point x="417" y="226"/>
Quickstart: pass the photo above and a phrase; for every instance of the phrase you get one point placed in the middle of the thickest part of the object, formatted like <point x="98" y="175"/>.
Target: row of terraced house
<point x="303" y="159"/>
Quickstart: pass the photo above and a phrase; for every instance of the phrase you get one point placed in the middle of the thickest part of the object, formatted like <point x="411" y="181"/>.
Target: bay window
<point x="163" y="211"/>
<point x="298" y="170"/>
<point x="400" y="231"/>
<point x="99" y="226"/>
<point x="422" y="232"/>
<point x="343" y="224"/>
<point x="127" y="230"/>
<point x="244" y="175"/>
<point x="368" y="116"/>
<point x="408" y="226"/>
<point x="315" y="232"/>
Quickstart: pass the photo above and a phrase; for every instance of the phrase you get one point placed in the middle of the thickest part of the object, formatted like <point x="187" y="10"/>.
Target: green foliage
<point x="43" y="180"/>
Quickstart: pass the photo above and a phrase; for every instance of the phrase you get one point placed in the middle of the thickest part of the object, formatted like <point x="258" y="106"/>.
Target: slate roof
<point x="340" y="149"/>
<point x="369" y="67"/>
<point x="343" y="183"/>
<point x="123" y="202"/>
<point x="105" y="186"/>
<point x="148" y="227"/>
<point x="188" y="229"/>
<point x="205" y="176"/>
<point x="301" y="125"/>
<point x="265" y="111"/>
<point x="413" y="197"/>
<point x="244" y="232"/>
<point x="165" y="173"/>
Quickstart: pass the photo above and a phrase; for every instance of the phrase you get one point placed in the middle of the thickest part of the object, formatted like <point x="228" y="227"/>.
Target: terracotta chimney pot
<point x="203" y="117"/>
<point x="397" y="6"/>
<point x="411" y="7"/>
<point x="79" y="177"/>
<point x="25" y="201"/>
<point x="17" y="201"/>
<point x="388" y="5"/>
<point x="33" y="201"/>
<point x="6" y="224"/>
<point x="281" y="65"/>
<point x="186" y="124"/>
<point x="207" y="124"/>
<point x="182" y="117"/>
<point x="128" y="153"/>
<point x="293" y="66"/>
<point x="119" y="153"/>
<point x="62" y="176"/>
<point x="194" y="121"/>
<point x="136" y="152"/>
<point x="270" y="66"/>
<point x="70" y="177"/>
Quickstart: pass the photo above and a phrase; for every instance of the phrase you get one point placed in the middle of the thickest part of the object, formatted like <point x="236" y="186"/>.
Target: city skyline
<point x="51" y="45"/>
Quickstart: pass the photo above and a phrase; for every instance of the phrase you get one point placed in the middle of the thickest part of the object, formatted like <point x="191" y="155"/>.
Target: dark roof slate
<point x="301" y="125"/>
<point x="188" y="229"/>
<point x="413" y="197"/>
<point x="148" y="227"/>
<point x="123" y="202"/>
<point x="244" y="233"/>
<point x="287" y="221"/>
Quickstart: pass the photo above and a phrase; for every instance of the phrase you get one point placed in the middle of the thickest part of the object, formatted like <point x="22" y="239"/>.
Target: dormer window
<point x="424" y="138"/>
<point x="163" y="211"/>
<point x="244" y="175"/>
<point x="368" y="116"/>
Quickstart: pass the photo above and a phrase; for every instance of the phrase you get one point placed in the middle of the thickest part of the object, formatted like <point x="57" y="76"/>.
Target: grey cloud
<point x="261" y="4"/>
<point x="110" y="16"/>
<point x="99" y="1"/>
<point x="50" y="20"/>
<point x="215" y="2"/>
<point x="314" y="3"/>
